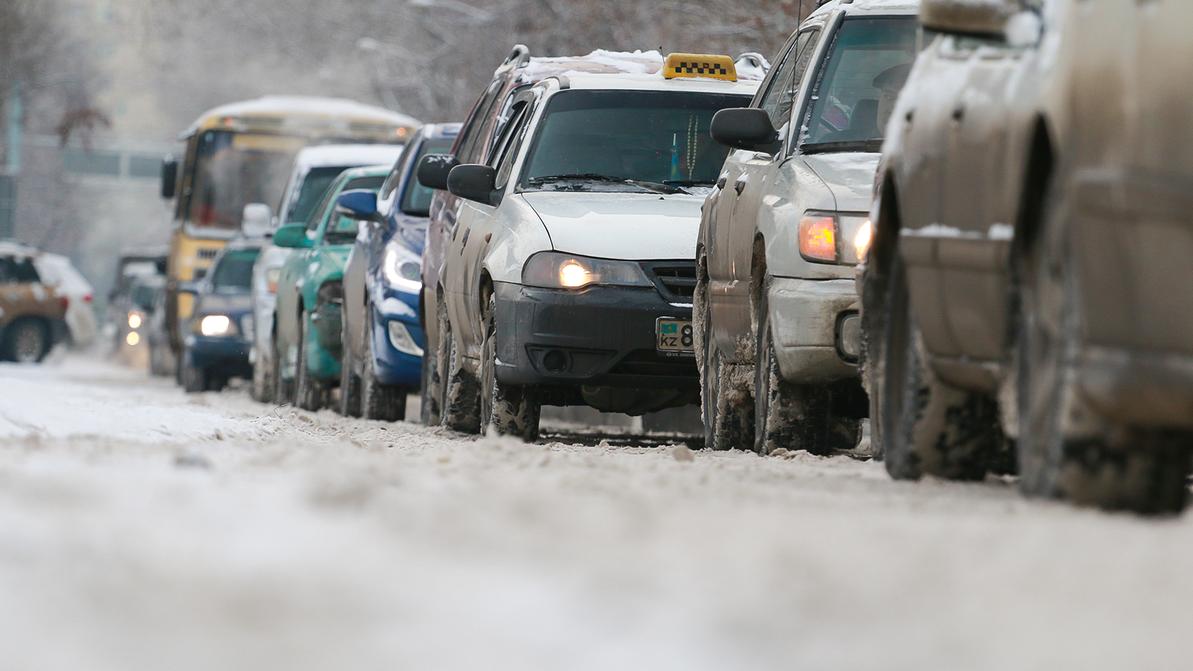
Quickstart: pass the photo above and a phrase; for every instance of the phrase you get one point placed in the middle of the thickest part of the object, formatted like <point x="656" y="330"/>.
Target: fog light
<point x="133" y="339"/>
<point x="400" y="338"/>
<point x="555" y="361"/>
<point x="849" y="336"/>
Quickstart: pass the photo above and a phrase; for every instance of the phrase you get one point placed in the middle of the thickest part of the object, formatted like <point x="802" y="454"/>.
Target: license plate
<point x="673" y="335"/>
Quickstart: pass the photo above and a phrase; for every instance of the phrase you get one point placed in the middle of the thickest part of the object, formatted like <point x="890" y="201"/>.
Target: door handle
<point x="464" y="242"/>
<point x="739" y="186"/>
<point x="959" y="113"/>
<point x="721" y="182"/>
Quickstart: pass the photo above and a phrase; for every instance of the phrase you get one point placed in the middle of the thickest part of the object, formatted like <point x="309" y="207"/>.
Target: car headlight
<point x="402" y="269"/>
<point x="214" y="326"/>
<point x="553" y="270"/>
<point x="862" y="240"/>
<point x="135" y="320"/>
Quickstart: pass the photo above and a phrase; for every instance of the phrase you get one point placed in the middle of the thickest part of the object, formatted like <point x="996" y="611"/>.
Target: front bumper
<point x="816" y="327"/>
<point x="600" y="336"/>
<point x="229" y="355"/>
<point x="397" y="311"/>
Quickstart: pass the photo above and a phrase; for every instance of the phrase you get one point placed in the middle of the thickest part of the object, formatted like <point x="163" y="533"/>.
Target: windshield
<point x="417" y="200"/>
<point x="857" y="86"/>
<point x="627" y="140"/>
<point x="234" y="272"/>
<point x="341" y="230"/>
<point x="144" y="296"/>
<point x="314" y="185"/>
<point x="231" y="170"/>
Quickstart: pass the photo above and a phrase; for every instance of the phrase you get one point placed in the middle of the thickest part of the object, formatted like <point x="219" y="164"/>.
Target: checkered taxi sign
<point x="708" y="66"/>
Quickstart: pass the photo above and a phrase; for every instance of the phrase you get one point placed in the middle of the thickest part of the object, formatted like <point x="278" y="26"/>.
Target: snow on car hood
<point x="635" y="226"/>
<point x="849" y="176"/>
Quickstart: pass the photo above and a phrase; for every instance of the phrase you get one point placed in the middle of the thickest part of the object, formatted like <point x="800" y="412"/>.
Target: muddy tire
<point x="926" y="426"/>
<point x="726" y="408"/>
<point x="506" y="410"/>
<point x="1065" y="448"/>
<point x="786" y="415"/>
<point x="194" y="379"/>
<point x="264" y="386"/>
<point x="378" y="401"/>
<point x="461" y="391"/>
<point x="431" y="389"/>
<point x="25" y="341"/>
<point x="349" y="380"/>
<point x="309" y="394"/>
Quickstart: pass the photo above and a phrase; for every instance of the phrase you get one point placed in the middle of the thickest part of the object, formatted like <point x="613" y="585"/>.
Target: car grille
<point x="676" y="280"/>
<point x="651" y="363"/>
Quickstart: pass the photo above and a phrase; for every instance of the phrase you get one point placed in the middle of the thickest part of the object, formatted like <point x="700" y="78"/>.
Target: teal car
<point x="310" y="296"/>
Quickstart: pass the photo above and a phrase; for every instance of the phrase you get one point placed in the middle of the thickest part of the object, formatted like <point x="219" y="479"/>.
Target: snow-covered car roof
<point x="852" y="7"/>
<point x="630" y="70"/>
<point x="657" y="83"/>
<point x="320" y="156"/>
<point x="14" y="248"/>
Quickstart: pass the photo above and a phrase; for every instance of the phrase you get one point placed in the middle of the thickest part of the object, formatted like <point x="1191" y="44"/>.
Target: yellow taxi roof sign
<point x="707" y="66"/>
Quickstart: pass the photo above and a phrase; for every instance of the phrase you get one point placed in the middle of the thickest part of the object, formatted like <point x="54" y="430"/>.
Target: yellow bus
<point x="240" y="153"/>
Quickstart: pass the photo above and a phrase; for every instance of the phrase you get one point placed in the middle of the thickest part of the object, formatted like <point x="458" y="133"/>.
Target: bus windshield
<point x="231" y="170"/>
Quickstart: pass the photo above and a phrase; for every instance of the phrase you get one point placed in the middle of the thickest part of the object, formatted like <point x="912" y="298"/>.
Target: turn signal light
<point x="818" y="238"/>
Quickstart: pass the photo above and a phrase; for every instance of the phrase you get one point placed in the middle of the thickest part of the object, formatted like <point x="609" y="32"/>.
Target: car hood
<point x="849" y="176"/>
<point x="224" y="303"/>
<point x="634" y="226"/>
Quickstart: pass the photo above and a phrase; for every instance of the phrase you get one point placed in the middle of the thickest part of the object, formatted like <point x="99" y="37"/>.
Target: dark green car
<point x="306" y="339"/>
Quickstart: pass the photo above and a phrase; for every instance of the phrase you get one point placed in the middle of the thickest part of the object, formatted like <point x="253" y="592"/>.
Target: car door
<point x="757" y="172"/>
<point x="477" y="225"/>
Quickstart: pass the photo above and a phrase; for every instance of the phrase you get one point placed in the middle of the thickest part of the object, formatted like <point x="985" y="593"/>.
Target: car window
<point x="509" y="152"/>
<point x="6" y="270"/>
<point x="314" y="186"/>
<point x="858" y="83"/>
<point x="470" y="135"/>
<point x="779" y="97"/>
<point x="416" y="202"/>
<point x="626" y="141"/>
<point x="341" y="230"/>
<point x="234" y="272"/>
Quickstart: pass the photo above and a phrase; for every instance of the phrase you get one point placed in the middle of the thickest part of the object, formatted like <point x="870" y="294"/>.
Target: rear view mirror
<point x="433" y="170"/>
<point x="169" y="177"/>
<point x="477" y="183"/>
<point x="256" y="221"/>
<point x="746" y="128"/>
<point x="973" y="17"/>
<point x="292" y="235"/>
<point x="359" y="204"/>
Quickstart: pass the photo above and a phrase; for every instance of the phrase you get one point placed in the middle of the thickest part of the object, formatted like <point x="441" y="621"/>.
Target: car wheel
<point x="726" y="409"/>
<point x="506" y="410"/>
<point x="786" y="415"/>
<point x="926" y="426"/>
<point x="26" y="341"/>
<point x="263" y="377"/>
<point x="349" y="380"/>
<point x="283" y="389"/>
<point x="431" y="392"/>
<point x="1065" y="448"/>
<point x="308" y="392"/>
<point x="378" y="401"/>
<point x="194" y="379"/>
<point x="461" y="399"/>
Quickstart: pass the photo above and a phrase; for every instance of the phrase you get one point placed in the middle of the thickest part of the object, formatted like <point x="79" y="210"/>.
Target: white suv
<point x="568" y="279"/>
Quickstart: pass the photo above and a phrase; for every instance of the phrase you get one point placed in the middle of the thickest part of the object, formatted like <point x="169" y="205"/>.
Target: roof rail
<point x="755" y="59"/>
<point x="519" y="55"/>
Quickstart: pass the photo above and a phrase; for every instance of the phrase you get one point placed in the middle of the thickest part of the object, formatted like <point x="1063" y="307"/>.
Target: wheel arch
<point x="1037" y="179"/>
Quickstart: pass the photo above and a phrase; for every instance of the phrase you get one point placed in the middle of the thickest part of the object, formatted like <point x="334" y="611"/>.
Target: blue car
<point x="217" y="341"/>
<point x="383" y="337"/>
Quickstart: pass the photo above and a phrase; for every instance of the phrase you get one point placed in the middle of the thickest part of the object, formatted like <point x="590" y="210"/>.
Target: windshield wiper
<point x="841" y="146"/>
<point x="658" y="187"/>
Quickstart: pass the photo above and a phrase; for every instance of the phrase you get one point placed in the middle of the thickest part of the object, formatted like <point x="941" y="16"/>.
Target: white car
<point x="57" y="271"/>
<point x="315" y="168"/>
<point x="568" y="279"/>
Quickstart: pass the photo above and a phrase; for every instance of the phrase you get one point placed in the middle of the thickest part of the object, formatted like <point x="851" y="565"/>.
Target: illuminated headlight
<point x="552" y="270"/>
<point x="402" y="269"/>
<point x="133" y="339"/>
<point x="135" y="320"/>
<point x="400" y="338"/>
<point x="215" y="326"/>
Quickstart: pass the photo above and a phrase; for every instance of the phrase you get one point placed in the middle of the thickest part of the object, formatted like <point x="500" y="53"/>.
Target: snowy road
<point x="144" y="529"/>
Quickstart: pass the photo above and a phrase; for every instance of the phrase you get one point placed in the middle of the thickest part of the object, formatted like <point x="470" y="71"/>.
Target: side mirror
<point x="256" y="221"/>
<point x="477" y="183"/>
<point x="292" y="235"/>
<point x="974" y="17"/>
<point x="359" y="204"/>
<point x="169" y="177"/>
<point x="433" y="170"/>
<point x="189" y="288"/>
<point x="746" y="128"/>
